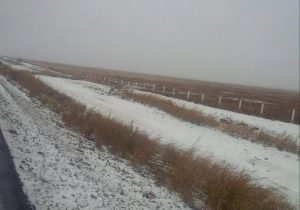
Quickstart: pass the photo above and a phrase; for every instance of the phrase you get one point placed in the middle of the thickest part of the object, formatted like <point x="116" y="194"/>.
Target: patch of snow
<point x="8" y="59"/>
<point x="269" y="165"/>
<point x="273" y="126"/>
<point x="33" y="67"/>
<point x="17" y="67"/>
<point x="23" y="66"/>
<point x="60" y="169"/>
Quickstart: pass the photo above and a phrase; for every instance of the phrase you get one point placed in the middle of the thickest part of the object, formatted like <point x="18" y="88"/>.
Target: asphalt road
<point x="11" y="193"/>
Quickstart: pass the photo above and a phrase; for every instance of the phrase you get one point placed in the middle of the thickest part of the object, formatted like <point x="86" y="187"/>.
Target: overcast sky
<point x="251" y="42"/>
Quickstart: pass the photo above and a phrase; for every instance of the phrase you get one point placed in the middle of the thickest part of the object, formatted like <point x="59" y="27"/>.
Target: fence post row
<point x="82" y="75"/>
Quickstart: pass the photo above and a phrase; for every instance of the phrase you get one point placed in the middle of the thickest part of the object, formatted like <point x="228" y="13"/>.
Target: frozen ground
<point x="272" y="126"/>
<point x="269" y="165"/>
<point x="61" y="170"/>
<point x="23" y="66"/>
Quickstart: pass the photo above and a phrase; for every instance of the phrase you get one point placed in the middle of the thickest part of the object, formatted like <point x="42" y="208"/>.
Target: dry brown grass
<point x="220" y="187"/>
<point x="195" y="178"/>
<point x="240" y="130"/>
<point x="278" y="103"/>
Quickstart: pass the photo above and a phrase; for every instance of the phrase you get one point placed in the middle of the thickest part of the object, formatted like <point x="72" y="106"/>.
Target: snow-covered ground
<point x="272" y="126"/>
<point x="269" y="165"/>
<point x="23" y="66"/>
<point x="60" y="169"/>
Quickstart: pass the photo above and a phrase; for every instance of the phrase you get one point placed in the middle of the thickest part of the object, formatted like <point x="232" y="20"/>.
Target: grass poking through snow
<point x="198" y="180"/>
<point x="240" y="130"/>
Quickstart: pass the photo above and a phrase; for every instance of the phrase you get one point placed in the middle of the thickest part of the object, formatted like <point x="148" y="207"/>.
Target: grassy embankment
<point x="195" y="178"/>
<point x="240" y="130"/>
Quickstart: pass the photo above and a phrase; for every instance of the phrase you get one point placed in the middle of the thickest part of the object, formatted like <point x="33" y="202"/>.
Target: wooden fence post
<point x="188" y="95"/>
<point x="220" y="100"/>
<point x="262" y="108"/>
<point x="293" y="115"/>
<point x="164" y="88"/>
<point x="174" y="91"/>
<point x="153" y="87"/>
<point x="240" y="104"/>
<point x="202" y="97"/>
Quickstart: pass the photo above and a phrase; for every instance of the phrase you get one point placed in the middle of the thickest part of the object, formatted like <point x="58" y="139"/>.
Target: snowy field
<point x="23" y="66"/>
<point x="271" y="126"/>
<point x="61" y="170"/>
<point x="269" y="165"/>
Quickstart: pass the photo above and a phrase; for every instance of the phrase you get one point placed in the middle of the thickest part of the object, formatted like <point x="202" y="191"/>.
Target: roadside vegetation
<point x="240" y="130"/>
<point x="196" y="178"/>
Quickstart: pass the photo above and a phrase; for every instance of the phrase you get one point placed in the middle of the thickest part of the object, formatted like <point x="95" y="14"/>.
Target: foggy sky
<point x="251" y="42"/>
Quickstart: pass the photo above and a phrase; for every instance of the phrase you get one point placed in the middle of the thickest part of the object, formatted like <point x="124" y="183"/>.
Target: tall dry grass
<point x="201" y="182"/>
<point x="240" y="130"/>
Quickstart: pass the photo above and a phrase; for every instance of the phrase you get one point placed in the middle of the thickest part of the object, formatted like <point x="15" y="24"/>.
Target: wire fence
<point x="244" y="105"/>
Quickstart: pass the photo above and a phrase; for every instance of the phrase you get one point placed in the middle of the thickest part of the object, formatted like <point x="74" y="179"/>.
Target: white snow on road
<point x="62" y="170"/>
<point x="269" y="165"/>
